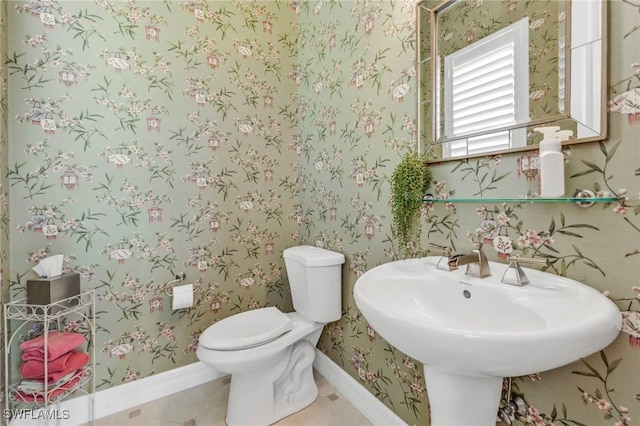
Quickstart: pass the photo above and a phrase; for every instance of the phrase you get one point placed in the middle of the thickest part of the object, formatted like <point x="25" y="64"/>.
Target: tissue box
<point x="44" y="291"/>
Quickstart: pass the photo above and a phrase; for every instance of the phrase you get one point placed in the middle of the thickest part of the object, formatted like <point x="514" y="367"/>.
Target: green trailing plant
<point x="409" y="182"/>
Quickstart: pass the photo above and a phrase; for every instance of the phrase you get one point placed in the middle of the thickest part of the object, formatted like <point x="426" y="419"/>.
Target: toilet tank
<point x="315" y="278"/>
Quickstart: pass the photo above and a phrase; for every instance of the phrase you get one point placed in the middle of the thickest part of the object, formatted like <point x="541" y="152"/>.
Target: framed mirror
<point x="489" y="72"/>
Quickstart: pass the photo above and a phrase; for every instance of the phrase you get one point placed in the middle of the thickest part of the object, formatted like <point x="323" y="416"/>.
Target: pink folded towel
<point x="76" y="361"/>
<point x="57" y="344"/>
<point x="33" y="369"/>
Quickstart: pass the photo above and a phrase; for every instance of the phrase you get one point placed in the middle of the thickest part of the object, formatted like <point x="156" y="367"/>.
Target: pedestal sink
<point x="471" y="332"/>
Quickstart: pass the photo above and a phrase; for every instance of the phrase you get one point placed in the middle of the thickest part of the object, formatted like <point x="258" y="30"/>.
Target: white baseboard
<point x="358" y="395"/>
<point x="77" y="411"/>
<point x="123" y="397"/>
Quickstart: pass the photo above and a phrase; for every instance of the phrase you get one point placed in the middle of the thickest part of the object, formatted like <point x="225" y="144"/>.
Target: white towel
<point x="38" y="386"/>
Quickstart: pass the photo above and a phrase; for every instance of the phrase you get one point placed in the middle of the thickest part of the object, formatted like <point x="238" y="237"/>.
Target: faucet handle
<point x="446" y="251"/>
<point x="514" y="274"/>
<point x="516" y="260"/>
<point x="443" y="263"/>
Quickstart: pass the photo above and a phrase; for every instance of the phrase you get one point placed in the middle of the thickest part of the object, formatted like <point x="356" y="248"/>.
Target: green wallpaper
<point x="153" y="137"/>
<point x="4" y="206"/>
<point x="359" y="82"/>
<point x="150" y="138"/>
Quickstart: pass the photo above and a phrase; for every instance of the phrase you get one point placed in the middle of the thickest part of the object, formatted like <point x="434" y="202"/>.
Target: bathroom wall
<point x="150" y="138"/>
<point x="206" y="137"/>
<point x="357" y="110"/>
<point x="4" y="210"/>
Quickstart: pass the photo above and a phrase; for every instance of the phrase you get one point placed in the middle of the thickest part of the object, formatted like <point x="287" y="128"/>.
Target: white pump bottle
<point x="552" y="161"/>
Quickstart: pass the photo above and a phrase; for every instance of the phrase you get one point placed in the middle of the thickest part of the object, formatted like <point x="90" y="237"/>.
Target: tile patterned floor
<point x="205" y="405"/>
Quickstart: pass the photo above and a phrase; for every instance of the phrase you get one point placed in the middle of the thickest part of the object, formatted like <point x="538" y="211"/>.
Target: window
<point x="486" y="88"/>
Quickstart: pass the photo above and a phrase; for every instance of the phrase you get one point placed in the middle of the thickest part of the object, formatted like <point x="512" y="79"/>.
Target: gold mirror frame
<point x="426" y="144"/>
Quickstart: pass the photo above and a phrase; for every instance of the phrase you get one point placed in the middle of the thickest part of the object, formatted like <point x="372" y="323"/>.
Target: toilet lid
<point x="246" y="329"/>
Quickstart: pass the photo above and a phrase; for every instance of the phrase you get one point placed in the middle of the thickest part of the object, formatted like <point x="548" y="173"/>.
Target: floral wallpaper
<point x="360" y="120"/>
<point x="150" y="138"/>
<point x="4" y="213"/>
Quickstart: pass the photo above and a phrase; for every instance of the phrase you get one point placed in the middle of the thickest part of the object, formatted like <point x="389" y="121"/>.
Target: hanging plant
<point x="409" y="182"/>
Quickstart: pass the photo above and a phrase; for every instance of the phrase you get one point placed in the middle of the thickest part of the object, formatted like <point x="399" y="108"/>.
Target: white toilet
<point x="270" y="354"/>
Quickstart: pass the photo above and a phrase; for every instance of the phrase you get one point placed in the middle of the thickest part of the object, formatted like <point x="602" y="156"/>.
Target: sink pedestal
<point x="457" y="400"/>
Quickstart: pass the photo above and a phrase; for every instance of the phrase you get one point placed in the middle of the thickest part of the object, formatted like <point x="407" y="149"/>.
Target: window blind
<point x="485" y="89"/>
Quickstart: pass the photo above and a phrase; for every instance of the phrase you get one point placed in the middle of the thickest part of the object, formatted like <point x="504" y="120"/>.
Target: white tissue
<point x="182" y="297"/>
<point x="49" y="266"/>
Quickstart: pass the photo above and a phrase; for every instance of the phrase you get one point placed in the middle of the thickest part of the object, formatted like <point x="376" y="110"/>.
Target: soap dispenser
<point x="551" y="162"/>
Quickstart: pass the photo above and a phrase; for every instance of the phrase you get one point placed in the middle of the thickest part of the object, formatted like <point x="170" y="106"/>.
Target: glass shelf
<point x="582" y="201"/>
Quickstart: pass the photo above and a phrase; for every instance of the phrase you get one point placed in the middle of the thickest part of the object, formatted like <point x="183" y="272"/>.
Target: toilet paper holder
<point x="179" y="277"/>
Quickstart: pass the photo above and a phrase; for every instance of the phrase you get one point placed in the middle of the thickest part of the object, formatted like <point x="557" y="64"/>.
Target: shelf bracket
<point x="585" y="193"/>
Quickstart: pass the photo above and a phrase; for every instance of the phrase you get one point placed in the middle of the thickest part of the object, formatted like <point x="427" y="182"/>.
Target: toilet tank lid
<point x="313" y="256"/>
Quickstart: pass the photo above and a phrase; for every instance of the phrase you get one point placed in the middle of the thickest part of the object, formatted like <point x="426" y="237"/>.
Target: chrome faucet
<point x="478" y="265"/>
<point x="476" y="261"/>
<point x="443" y="262"/>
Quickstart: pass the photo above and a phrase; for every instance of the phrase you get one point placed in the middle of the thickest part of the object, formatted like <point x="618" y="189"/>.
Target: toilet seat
<point x="246" y="330"/>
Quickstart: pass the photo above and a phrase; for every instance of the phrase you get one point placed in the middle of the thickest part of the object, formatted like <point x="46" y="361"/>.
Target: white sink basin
<point x="477" y="330"/>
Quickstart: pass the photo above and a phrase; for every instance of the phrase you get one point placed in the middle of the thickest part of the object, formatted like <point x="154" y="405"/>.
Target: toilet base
<point x="257" y="399"/>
